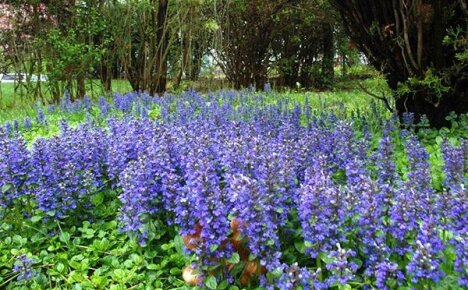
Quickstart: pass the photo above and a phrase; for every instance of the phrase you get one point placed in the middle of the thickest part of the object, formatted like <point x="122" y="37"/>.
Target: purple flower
<point x="87" y="103"/>
<point x="408" y="119"/>
<point x="414" y="199"/>
<point x="24" y="268"/>
<point x="15" y="169"/>
<point x="425" y="262"/>
<point x="294" y="277"/>
<point x="322" y="211"/>
<point x="370" y="224"/>
<point x="16" y="125"/>
<point x="40" y="117"/>
<point x="258" y="224"/>
<point x="454" y="165"/>
<point x="150" y="185"/>
<point x="27" y="123"/>
<point x="103" y="106"/>
<point x="8" y="128"/>
<point x="385" y="272"/>
<point x="384" y="159"/>
<point x="341" y="268"/>
<point x="67" y="168"/>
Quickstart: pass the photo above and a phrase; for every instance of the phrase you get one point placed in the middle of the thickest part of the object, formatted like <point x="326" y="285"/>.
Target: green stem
<point x="319" y="265"/>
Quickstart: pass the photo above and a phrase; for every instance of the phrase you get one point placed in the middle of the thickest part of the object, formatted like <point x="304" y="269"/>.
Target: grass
<point x="17" y="105"/>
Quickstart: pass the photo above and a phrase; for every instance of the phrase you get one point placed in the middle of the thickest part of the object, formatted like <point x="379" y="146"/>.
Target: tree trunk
<point x="185" y="56"/>
<point x="197" y="55"/>
<point x="80" y="87"/>
<point x="161" y="60"/>
<point x="328" y="73"/>
<point x="106" y="76"/>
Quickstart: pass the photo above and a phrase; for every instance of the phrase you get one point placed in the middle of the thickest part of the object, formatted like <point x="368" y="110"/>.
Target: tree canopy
<point x="420" y="46"/>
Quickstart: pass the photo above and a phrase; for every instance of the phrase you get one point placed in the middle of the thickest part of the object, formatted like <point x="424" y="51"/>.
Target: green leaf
<point x="20" y="241"/>
<point x="166" y="247"/>
<point x="325" y="258"/>
<point x="308" y="244"/>
<point x="6" y="187"/>
<point x="60" y="267"/>
<point x="300" y="246"/>
<point x="211" y="282"/>
<point x="277" y="273"/>
<point x="36" y="218"/>
<point x="178" y="243"/>
<point x="75" y="277"/>
<point x="153" y="267"/>
<point x="234" y="259"/>
<point x="237" y="269"/>
<point x="223" y="285"/>
<point x="77" y="257"/>
<point x="270" y="242"/>
<point x="99" y="281"/>
<point x="252" y="257"/>
<point x="119" y="275"/>
<point x="358" y="262"/>
<point x="88" y="233"/>
<point x="64" y="237"/>
<point x="98" y="198"/>
<point x="213" y="248"/>
<point x="75" y="265"/>
<point x="102" y="245"/>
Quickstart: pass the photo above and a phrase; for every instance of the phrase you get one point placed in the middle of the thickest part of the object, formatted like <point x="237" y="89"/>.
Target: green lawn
<point x="17" y="105"/>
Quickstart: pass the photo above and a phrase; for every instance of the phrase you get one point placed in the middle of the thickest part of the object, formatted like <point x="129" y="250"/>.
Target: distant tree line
<point x="150" y="41"/>
<point x="419" y="45"/>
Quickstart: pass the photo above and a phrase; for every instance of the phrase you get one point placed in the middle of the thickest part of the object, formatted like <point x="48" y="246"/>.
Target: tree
<point x="420" y="46"/>
<point x="328" y="58"/>
<point x="246" y="31"/>
<point x="297" y="44"/>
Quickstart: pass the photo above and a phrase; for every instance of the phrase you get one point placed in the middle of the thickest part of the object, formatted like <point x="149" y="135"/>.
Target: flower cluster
<point x="281" y="171"/>
<point x="341" y="268"/>
<point x="23" y="267"/>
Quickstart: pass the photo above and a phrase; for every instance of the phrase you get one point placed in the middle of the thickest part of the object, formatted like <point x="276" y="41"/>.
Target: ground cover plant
<point x="230" y="190"/>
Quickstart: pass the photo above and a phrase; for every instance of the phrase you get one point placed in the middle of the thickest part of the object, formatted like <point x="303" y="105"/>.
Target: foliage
<point x="419" y="46"/>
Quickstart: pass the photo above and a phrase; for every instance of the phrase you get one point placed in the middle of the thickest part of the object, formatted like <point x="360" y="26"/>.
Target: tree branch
<point x="381" y="98"/>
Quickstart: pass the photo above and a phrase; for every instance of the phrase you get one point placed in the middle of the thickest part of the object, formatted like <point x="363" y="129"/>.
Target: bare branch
<point x="381" y="98"/>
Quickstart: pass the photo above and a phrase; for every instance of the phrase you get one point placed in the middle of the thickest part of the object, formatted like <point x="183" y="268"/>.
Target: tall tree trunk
<point x="186" y="46"/>
<point x="185" y="55"/>
<point x="197" y="55"/>
<point x="106" y="76"/>
<point x="328" y="73"/>
<point x="80" y="86"/>
<point x="161" y="60"/>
